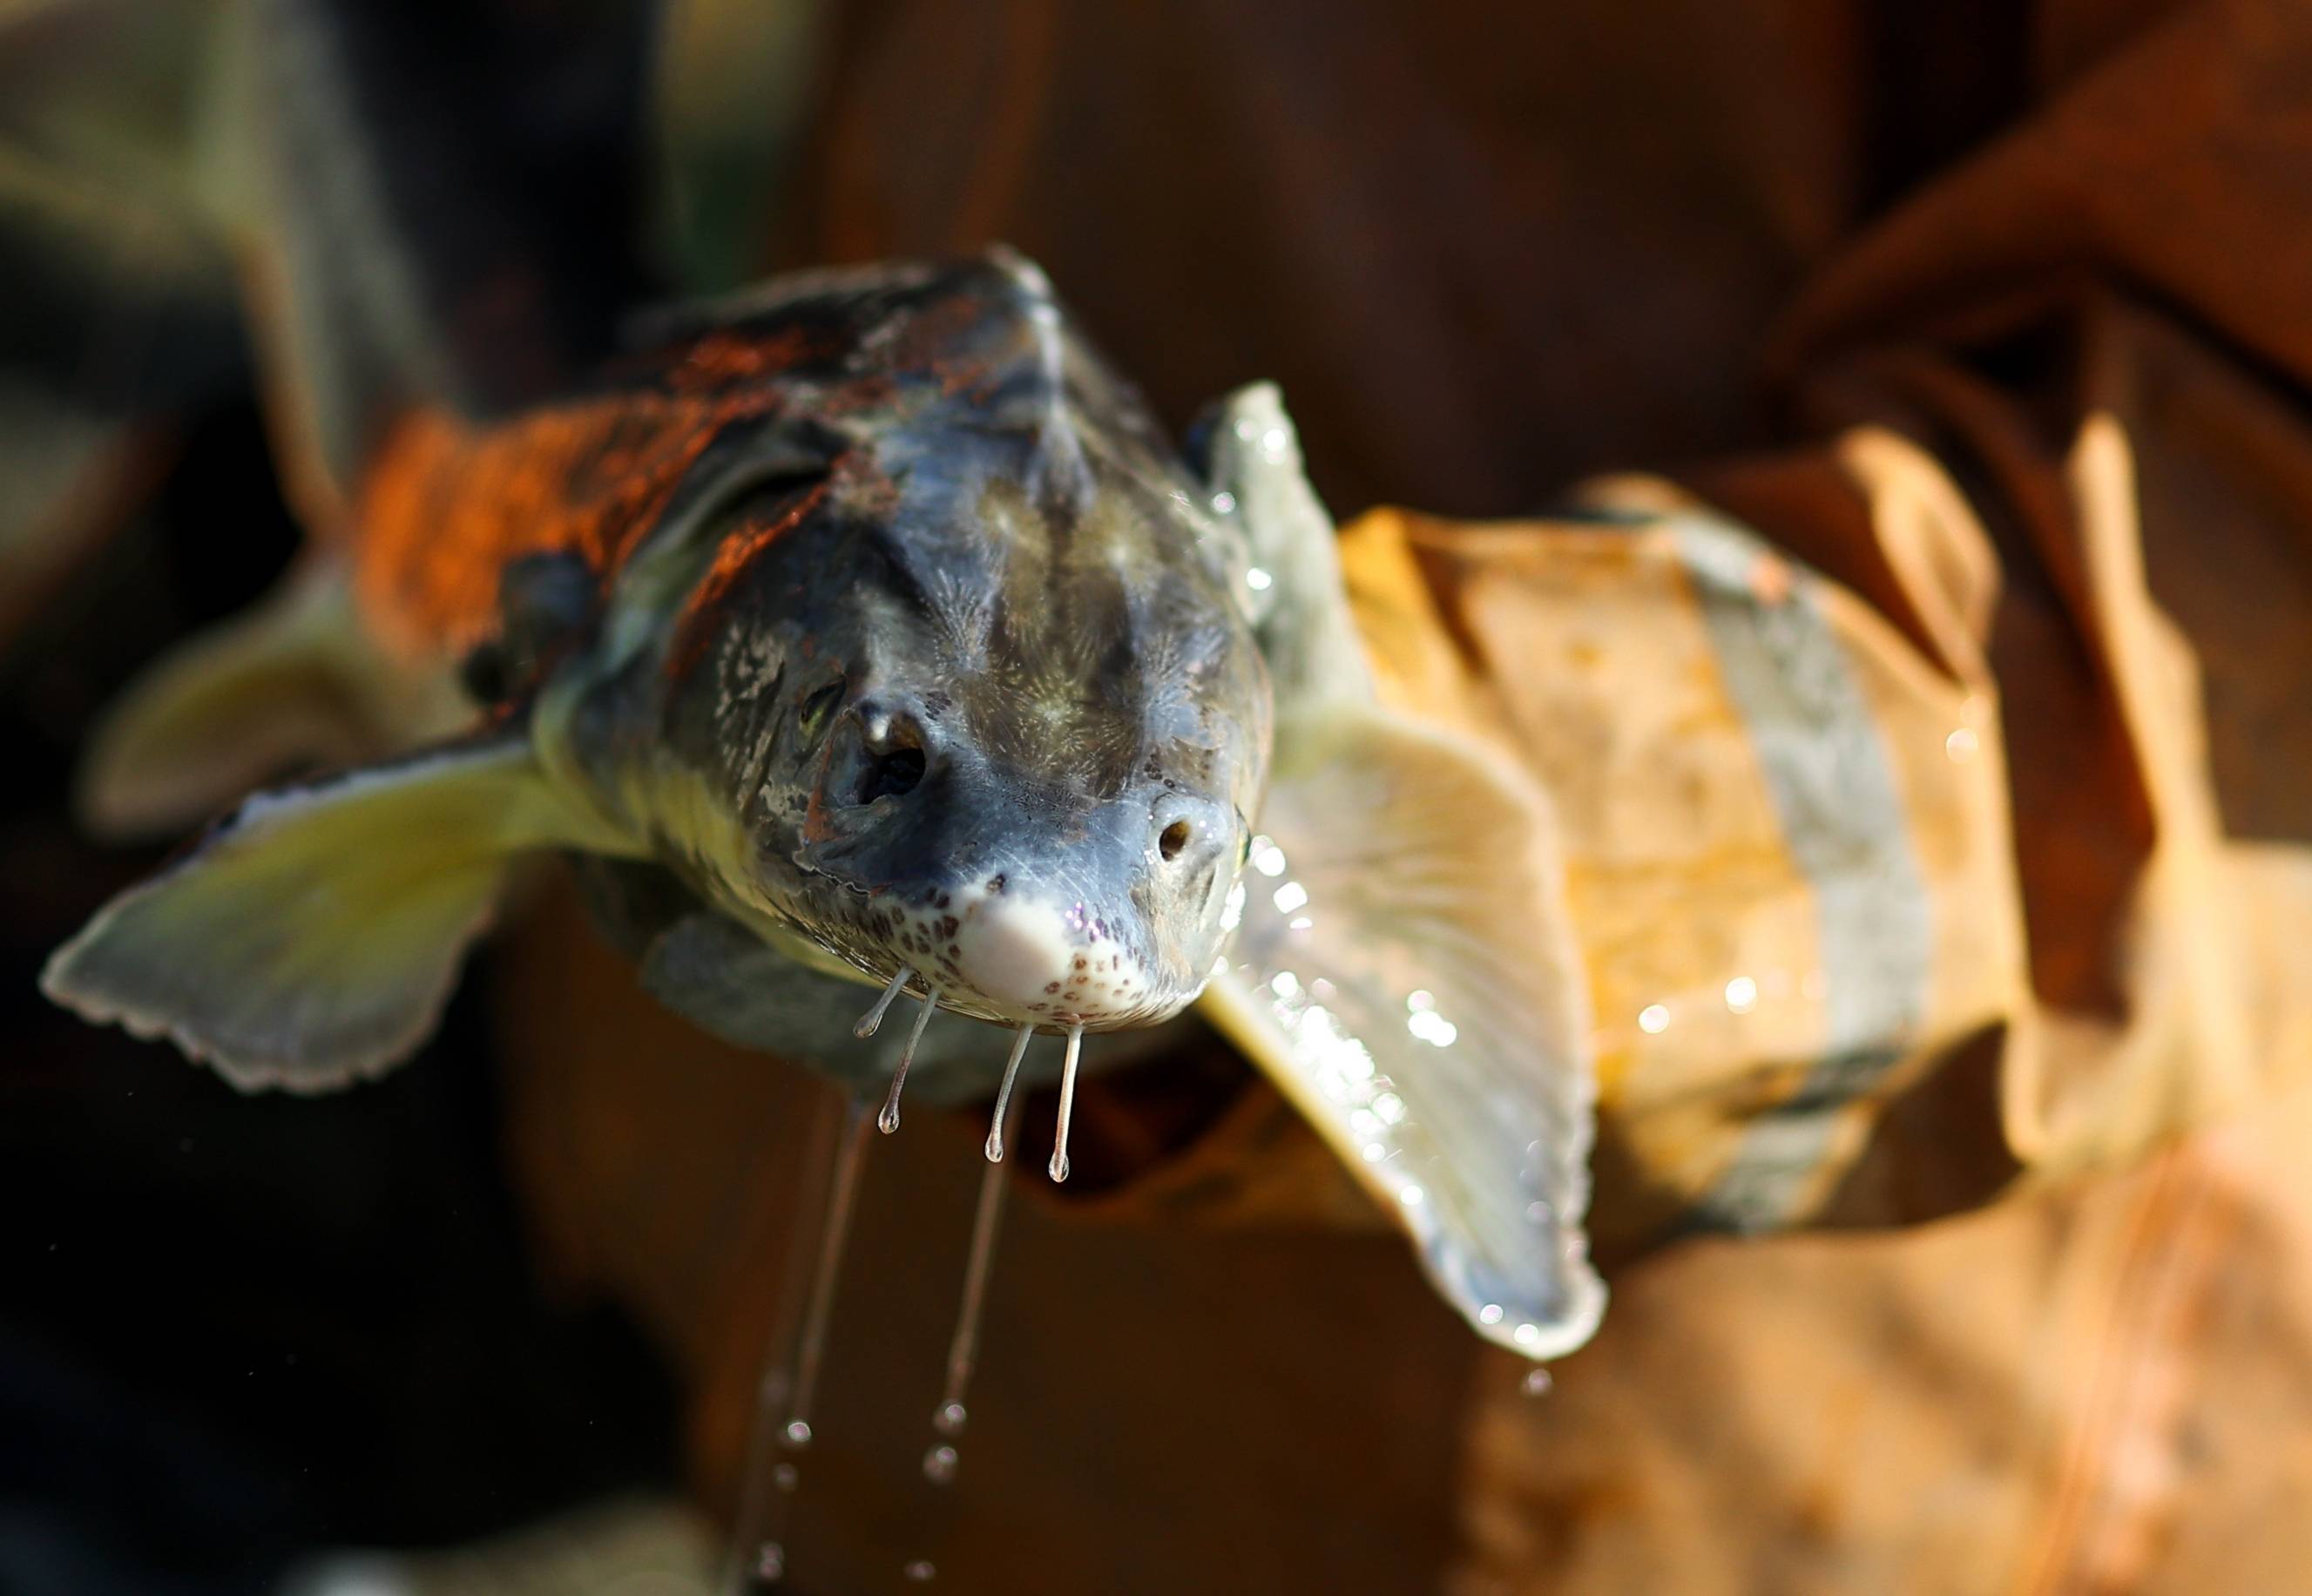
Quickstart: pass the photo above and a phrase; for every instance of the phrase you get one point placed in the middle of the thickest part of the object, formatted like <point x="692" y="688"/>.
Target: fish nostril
<point x="892" y="776"/>
<point x="1186" y="832"/>
<point x="892" y="743"/>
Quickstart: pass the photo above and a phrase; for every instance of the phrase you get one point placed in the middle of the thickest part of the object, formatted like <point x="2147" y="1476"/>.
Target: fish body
<point x="861" y="630"/>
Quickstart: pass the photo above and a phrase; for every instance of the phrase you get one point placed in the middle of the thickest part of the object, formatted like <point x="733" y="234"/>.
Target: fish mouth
<point x="990" y="950"/>
<point x="1016" y="960"/>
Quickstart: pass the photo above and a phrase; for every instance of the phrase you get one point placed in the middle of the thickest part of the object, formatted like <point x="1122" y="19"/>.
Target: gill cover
<point x="1403" y="971"/>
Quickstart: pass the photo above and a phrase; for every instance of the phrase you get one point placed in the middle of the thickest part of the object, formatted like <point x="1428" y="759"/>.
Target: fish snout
<point x="1015" y="952"/>
<point x="1123" y="942"/>
<point x="1032" y="958"/>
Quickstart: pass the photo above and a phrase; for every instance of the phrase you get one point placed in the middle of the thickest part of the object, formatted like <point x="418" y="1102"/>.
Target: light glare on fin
<point x="1403" y="973"/>
<point x="1300" y="609"/>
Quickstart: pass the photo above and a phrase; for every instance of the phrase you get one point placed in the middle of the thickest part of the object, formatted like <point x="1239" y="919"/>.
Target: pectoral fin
<point x="311" y="940"/>
<point x="1300" y="613"/>
<point x="1403" y="972"/>
<point x="292" y="683"/>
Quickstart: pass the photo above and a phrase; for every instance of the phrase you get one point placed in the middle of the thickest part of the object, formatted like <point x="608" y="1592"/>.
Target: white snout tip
<point x="1013" y="949"/>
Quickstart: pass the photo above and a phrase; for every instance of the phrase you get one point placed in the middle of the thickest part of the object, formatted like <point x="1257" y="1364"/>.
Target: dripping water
<point x="948" y="1418"/>
<point x="756" y="1556"/>
<point x="942" y="1458"/>
<point x="782" y="1426"/>
<point x="1058" y="1168"/>
<point x="1004" y="1095"/>
<point x="888" y="1120"/>
<point x="873" y="1017"/>
<point x="795" y="1434"/>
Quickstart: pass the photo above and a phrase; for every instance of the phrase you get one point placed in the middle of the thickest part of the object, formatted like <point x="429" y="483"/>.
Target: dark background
<point x="234" y="1327"/>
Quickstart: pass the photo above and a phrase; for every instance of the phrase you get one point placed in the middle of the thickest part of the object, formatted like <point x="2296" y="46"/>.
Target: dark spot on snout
<point x="1173" y="838"/>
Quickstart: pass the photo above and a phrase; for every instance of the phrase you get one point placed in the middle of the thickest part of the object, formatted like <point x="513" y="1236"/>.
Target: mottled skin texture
<point x="872" y="634"/>
<point x="915" y="646"/>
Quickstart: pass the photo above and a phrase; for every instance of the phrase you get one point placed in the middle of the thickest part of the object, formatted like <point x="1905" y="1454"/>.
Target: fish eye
<point x="819" y="708"/>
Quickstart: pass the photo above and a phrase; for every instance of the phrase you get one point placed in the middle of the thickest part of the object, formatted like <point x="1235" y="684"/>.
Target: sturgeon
<point x="864" y="633"/>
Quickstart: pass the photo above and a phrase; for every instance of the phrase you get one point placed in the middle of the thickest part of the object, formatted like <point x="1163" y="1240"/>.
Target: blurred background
<point x="1960" y="1244"/>
<point x="234" y="1330"/>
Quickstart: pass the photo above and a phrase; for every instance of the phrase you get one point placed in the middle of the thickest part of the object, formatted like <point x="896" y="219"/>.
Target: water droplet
<point x="1223" y="502"/>
<point x="963" y="1347"/>
<point x="921" y="1571"/>
<point x="1490" y="1313"/>
<point x="1058" y="1167"/>
<point x="785" y="1478"/>
<point x="1741" y="995"/>
<point x="1962" y="745"/>
<point x="1537" y="1383"/>
<point x="1653" y="1019"/>
<point x="995" y="1148"/>
<point x="873" y="1017"/>
<point x="771" y="1563"/>
<point x="827" y="1267"/>
<point x="1432" y="1027"/>
<point x="888" y="1120"/>
<point x="1528" y="1334"/>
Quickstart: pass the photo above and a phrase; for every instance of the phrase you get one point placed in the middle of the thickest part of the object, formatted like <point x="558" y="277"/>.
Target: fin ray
<point x="312" y="939"/>
<point x="1404" y="974"/>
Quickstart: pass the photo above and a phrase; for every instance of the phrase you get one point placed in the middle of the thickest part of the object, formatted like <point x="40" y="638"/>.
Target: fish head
<point x="990" y="711"/>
